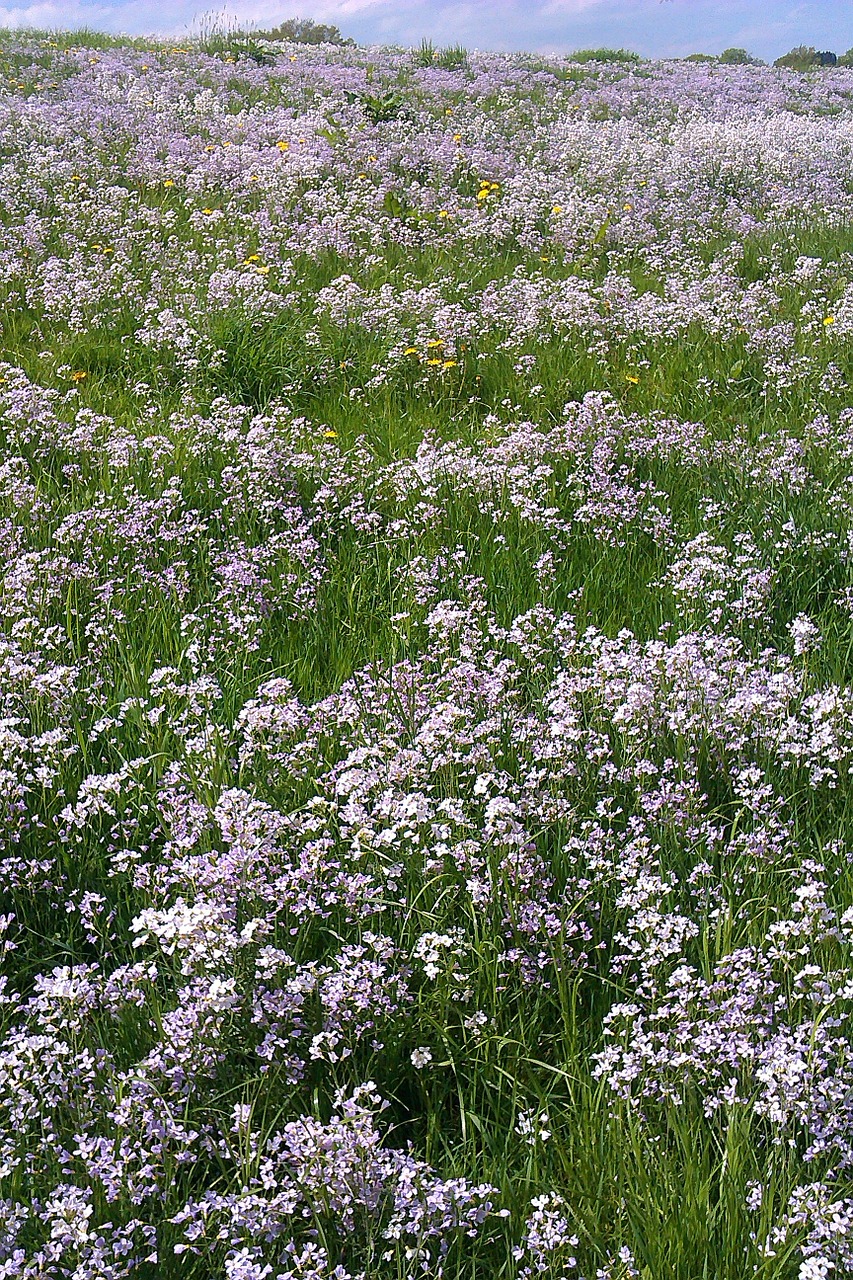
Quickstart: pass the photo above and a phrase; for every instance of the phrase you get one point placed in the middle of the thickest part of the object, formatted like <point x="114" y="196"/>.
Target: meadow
<point x="426" y="665"/>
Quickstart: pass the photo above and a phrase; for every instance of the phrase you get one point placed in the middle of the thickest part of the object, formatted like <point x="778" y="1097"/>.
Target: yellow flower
<point x="78" y="375"/>
<point x="450" y="364"/>
<point x="557" y="208"/>
<point x="448" y="111"/>
<point x="483" y="195"/>
<point x="208" y="211"/>
<point x="494" y="186"/>
<point x="433" y="362"/>
<point x="627" y="207"/>
<point x="169" y="182"/>
<point x="442" y="213"/>
<point x="829" y="320"/>
<point x="436" y="342"/>
<point x="632" y="378"/>
<point x="254" y="178"/>
<point x="253" y="257"/>
<point x="457" y="137"/>
<point x="262" y="271"/>
<point x="283" y="146"/>
<point x="410" y="351"/>
<point x="329" y="434"/>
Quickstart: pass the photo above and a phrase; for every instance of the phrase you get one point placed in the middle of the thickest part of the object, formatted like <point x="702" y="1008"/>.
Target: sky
<point x="656" y="28"/>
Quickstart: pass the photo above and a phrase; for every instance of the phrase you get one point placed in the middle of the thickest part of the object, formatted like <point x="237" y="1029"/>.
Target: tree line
<point x="801" y="58"/>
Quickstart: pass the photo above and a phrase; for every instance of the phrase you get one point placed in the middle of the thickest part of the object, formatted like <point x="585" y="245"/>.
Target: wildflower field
<point x="426" y="665"/>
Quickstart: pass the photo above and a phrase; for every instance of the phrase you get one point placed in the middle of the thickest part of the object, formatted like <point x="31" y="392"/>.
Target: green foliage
<point x="449" y="59"/>
<point x="737" y="58"/>
<point x="846" y="59"/>
<point x="425" y="55"/>
<point x="231" y="43"/>
<point x="700" y="57"/>
<point x="453" y="57"/>
<point x="306" y="31"/>
<point x="805" y="58"/>
<point x="605" y="55"/>
<point x="80" y="38"/>
<point x="381" y="107"/>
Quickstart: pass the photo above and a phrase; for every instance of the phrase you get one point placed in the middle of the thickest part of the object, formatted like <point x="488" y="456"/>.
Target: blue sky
<point x="665" y="28"/>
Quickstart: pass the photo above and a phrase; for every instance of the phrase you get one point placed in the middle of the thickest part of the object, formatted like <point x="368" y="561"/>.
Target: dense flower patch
<point x="426" y="667"/>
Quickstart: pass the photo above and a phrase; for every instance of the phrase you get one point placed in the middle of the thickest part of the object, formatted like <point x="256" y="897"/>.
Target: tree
<point x="737" y="58"/>
<point x="804" y="57"/>
<point x="305" y="31"/>
<point x="846" y="59"/>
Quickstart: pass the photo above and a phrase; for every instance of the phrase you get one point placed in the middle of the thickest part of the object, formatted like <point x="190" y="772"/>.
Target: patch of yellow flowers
<point x="487" y="189"/>
<point x="436" y="360"/>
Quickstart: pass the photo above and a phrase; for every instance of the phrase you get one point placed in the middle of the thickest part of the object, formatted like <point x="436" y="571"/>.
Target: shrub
<point x="737" y="58"/>
<point x="804" y="57"/>
<point x="605" y="55"/>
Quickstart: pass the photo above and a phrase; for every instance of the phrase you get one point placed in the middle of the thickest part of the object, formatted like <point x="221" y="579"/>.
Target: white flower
<point x="531" y="1127"/>
<point x="421" y="1057"/>
<point x="805" y="634"/>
